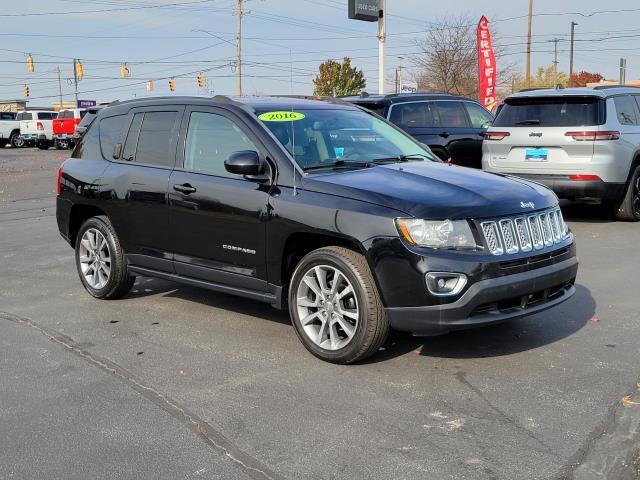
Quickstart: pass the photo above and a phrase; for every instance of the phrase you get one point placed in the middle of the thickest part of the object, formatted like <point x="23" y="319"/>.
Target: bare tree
<point x="449" y="59"/>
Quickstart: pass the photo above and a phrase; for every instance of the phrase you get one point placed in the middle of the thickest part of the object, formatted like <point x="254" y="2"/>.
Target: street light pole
<point x="573" y="26"/>
<point x="239" y="13"/>
<point x="528" y="73"/>
<point x="381" y="39"/>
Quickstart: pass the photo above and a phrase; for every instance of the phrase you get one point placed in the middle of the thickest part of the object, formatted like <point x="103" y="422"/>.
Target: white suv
<point x="580" y="142"/>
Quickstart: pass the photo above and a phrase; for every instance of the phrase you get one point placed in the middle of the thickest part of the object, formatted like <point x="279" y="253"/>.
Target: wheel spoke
<point x="96" y="277"/>
<point x="346" y="291"/>
<point x="349" y="313"/>
<point x="84" y="259"/>
<point x="349" y="329"/>
<point x="305" y="302"/>
<point x="321" y="276"/>
<point x="310" y="318"/>
<point x="322" y="331"/>
<point x="106" y="270"/>
<point x="312" y="284"/>
<point x="336" y="282"/>
<point x="85" y="242"/>
<point x="334" y="338"/>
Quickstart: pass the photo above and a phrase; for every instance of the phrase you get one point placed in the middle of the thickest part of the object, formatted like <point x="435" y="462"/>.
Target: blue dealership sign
<point x="86" y="103"/>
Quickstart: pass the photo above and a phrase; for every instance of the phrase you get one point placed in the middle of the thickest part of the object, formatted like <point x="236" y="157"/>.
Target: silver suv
<point x="580" y="142"/>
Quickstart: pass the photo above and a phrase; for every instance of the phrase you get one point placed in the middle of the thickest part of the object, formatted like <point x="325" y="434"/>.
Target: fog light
<point x="445" y="284"/>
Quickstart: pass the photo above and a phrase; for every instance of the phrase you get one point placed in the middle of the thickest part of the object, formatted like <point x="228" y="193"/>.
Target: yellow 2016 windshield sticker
<point x="281" y="116"/>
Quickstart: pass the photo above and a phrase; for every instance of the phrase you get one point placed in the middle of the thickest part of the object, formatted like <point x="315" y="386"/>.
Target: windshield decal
<point x="281" y="116"/>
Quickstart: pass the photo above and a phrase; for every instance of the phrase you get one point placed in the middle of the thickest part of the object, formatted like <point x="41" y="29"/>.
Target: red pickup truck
<point x="64" y="127"/>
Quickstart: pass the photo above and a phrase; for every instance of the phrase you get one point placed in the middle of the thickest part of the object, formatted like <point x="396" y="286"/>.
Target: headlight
<point x="436" y="233"/>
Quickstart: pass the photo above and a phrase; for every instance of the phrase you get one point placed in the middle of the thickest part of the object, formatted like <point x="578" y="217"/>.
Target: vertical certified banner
<point x="487" y="70"/>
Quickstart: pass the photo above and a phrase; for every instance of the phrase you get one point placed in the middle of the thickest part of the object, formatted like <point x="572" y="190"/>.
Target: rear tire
<point x="100" y="260"/>
<point x="629" y="208"/>
<point x="16" y="140"/>
<point x="343" y="321"/>
<point x="43" y="145"/>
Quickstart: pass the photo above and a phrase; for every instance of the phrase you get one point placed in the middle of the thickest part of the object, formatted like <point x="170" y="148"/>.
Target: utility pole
<point x="528" y="72"/>
<point x="555" y="61"/>
<point x="381" y="40"/>
<point x="573" y="27"/>
<point x="60" y="87"/>
<point x="75" y="79"/>
<point x="623" y="71"/>
<point x="239" y="13"/>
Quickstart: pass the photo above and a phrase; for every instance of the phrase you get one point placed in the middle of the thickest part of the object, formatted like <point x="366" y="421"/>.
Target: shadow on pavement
<point x="586" y="213"/>
<point x="492" y="341"/>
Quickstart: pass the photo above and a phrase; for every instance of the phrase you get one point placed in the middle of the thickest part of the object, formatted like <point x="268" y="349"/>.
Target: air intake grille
<point x="524" y="234"/>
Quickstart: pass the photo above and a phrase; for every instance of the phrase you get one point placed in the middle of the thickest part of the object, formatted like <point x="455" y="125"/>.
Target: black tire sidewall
<point x="12" y="140"/>
<point x="114" y="253"/>
<point x="351" y="350"/>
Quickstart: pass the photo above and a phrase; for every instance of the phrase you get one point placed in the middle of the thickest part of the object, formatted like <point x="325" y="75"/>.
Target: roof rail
<point x="607" y="87"/>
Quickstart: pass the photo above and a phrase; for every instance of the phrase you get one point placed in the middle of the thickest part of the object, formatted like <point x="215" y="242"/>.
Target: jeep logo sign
<point x="527" y="205"/>
<point x="366" y="10"/>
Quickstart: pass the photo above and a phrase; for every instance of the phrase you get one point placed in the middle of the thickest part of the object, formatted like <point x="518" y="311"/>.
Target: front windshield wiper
<point x="336" y="164"/>
<point x="399" y="158"/>
<point x="528" y="122"/>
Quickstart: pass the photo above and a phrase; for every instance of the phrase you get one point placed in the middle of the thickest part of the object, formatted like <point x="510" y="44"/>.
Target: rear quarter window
<point x="110" y="133"/>
<point x="551" y="112"/>
<point x="89" y="145"/>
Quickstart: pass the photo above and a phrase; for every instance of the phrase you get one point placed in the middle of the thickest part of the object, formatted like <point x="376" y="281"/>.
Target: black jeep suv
<point x="319" y="207"/>
<point x="452" y="126"/>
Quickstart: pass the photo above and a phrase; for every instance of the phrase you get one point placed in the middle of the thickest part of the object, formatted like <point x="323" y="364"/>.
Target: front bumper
<point x="492" y="300"/>
<point x="564" y="187"/>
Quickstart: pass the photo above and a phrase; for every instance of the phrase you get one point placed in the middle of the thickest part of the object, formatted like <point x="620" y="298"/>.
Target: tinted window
<point x="89" y="145"/>
<point x="129" y="151"/>
<point x="110" y="130"/>
<point x="46" y="116"/>
<point x="7" y="116"/>
<point x="451" y="114"/>
<point x="210" y="139"/>
<point x="374" y="107"/>
<point x="82" y="113"/>
<point x="626" y="109"/>
<point x="480" y="117"/>
<point x="551" y="112"/>
<point x="24" y="116"/>
<point x="413" y="115"/>
<point x="155" y="139"/>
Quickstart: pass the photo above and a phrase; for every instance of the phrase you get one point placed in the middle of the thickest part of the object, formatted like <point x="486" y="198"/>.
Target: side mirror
<point x="244" y="162"/>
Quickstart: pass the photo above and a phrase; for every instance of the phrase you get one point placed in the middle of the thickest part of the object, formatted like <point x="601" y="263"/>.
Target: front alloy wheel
<point x="327" y="307"/>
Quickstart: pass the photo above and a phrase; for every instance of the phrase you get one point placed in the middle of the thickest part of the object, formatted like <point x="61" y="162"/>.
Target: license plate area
<point x="536" y="155"/>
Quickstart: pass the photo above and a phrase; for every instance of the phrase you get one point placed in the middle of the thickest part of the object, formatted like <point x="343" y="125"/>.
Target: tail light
<point x="495" y="136"/>
<point x="584" y="178"/>
<point x="591" y="136"/>
<point x="59" y="181"/>
<point x="40" y="127"/>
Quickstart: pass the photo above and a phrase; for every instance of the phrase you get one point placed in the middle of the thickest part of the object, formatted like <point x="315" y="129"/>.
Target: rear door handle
<point x="184" y="188"/>
<point x="444" y="134"/>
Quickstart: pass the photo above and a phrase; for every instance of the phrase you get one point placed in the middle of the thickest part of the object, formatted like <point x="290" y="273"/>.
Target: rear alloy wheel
<point x="629" y="208"/>
<point x="335" y="306"/>
<point x="100" y="260"/>
<point x="16" y="140"/>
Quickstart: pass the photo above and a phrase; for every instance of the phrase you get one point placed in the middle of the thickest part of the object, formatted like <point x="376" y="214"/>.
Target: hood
<point x="433" y="190"/>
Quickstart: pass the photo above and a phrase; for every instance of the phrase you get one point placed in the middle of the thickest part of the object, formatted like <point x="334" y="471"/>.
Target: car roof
<point x="402" y="97"/>
<point x="601" y="92"/>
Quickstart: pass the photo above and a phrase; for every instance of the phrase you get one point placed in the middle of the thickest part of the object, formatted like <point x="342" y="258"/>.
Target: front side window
<point x="210" y="140"/>
<point x="413" y="115"/>
<point x="155" y="139"/>
<point x="480" y="117"/>
<point x="327" y="137"/>
<point x="626" y="110"/>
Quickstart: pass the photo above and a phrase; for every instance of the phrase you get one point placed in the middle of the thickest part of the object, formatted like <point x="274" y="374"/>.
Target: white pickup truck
<point x="36" y="127"/>
<point x="9" y="130"/>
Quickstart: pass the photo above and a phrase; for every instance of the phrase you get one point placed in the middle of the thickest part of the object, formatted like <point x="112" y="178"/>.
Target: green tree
<point x="337" y="79"/>
<point x="545" y="77"/>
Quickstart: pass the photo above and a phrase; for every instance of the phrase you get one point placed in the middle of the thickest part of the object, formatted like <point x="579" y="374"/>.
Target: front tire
<point x="629" y="208"/>
<point x="100" y="260"/>
<point x="335" y="306"/>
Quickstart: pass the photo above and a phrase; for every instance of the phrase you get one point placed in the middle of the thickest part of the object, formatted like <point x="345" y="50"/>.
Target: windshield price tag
<point x="281" y="116"/>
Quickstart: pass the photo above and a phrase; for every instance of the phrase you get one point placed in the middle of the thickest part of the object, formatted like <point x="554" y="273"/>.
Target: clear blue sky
<point x="285" y="40"/>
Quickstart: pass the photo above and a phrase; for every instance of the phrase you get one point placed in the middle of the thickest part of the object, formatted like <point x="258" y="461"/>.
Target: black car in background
<point x="451" y="125"/>
<point x="318" y="207"/>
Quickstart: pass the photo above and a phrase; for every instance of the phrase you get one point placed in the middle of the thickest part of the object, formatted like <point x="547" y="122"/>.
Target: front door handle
<point x="444" y="134"/>
<point x="184" y="188"/>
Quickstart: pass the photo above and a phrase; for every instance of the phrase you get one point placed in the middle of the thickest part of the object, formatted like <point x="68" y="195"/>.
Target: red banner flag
<point x="487" y="70"/>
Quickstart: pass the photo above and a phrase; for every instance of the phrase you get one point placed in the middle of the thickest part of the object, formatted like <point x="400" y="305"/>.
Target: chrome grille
<point x="524" y="234"/>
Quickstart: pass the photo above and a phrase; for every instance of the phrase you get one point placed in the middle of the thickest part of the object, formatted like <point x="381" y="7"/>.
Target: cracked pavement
<point x="176" y="382"/>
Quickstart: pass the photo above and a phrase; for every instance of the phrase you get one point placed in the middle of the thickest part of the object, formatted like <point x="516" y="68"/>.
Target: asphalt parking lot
<point x="177" y="382"/>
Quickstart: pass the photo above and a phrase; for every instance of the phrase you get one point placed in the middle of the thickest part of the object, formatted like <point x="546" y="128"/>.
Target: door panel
<point x="217" y="220"/>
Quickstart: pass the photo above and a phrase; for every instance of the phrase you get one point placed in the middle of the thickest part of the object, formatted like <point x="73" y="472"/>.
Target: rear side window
<point x="24" y="116"/>
<point x="7" y="116"/>
<point x="413" y="115"/>
<point x="110" y="131"/>
<point x="551" y="112"/>
<point x="374" y="107"/>
<point x="626" y="110"/>
<point x="480" y="117"/>
<point x="131" y="143"/>
<point x="46" y="116"/>
<point x="155" y="139"/>
<point x="452" y="114"/>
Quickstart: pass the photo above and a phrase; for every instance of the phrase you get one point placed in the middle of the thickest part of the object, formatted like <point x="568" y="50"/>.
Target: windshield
<point x="318" y="138"/>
